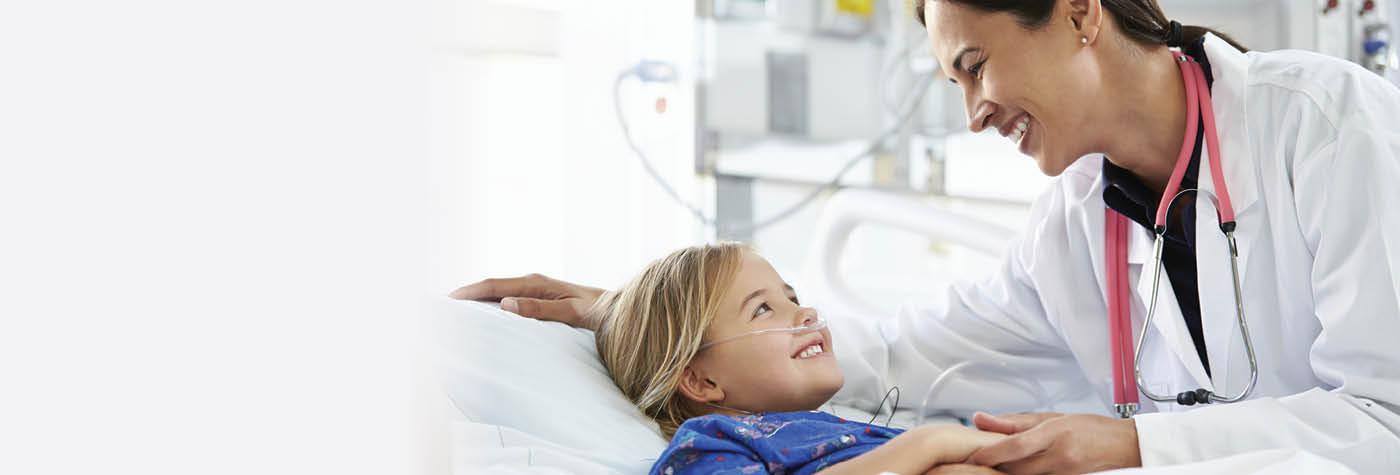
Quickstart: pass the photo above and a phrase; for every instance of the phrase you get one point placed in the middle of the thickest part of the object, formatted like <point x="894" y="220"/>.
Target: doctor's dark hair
<point x="1141" y="20"/>
<point x="652" y="328"/>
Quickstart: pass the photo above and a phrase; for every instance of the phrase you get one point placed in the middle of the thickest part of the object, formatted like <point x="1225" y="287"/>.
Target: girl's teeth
<point x="810" y="351"/>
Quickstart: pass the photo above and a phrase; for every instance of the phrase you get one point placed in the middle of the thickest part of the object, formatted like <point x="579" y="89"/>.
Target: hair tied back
<point x="1173" y="37"/>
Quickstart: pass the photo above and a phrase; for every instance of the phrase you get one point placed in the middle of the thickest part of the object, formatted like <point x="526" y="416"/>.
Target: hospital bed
<point x="533" y="397"/>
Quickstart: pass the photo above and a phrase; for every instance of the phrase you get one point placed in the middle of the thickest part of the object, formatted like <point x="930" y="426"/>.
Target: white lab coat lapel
<point x="1169" y="325"/>
<point x="1095" y="208"/>
<point x="1216" y="285"/>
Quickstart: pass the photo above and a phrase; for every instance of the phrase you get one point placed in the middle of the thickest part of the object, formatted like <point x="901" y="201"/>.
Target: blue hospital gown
<point x="776" y="442"/>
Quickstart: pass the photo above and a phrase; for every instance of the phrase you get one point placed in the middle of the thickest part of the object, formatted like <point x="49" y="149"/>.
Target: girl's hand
<point x="538" y="297"/>
<point x="920" y="450"/>
<point x="955" y="443"/>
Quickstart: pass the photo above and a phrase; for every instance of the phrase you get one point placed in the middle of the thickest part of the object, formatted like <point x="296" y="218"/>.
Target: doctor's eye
<point x="976" y="70"/>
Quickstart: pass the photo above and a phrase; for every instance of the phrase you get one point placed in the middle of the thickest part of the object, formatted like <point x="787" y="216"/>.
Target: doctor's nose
<point x="979" y="114"/>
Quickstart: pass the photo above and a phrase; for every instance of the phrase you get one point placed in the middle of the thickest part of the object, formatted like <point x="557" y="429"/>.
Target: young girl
<point x="715" y="347"/>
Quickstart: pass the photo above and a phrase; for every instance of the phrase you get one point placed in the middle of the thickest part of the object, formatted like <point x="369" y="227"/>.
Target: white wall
<point x="212" y="228"/>
<point x="1261" y="25"/>
<point x="1393" y="8"/>
<point x="530" y="171"/>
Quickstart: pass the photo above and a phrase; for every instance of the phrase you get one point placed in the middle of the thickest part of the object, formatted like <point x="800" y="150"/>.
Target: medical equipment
<point x="894" y="407"/>
<point x="1378" y="54"/>
<point x="832" y="17"/>
<point x="1198" y="105"/>
<point x="816" y="325"/>
<point x="759" y="79"/>
<point x="999" y="372"/>
<point x="644" y="71"/>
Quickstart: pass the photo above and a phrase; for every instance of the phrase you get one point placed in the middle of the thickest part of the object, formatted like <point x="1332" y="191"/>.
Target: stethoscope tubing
<point x="1198" y="104"/>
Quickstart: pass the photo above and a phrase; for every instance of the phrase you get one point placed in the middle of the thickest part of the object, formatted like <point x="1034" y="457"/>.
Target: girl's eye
<point x="795" y="301"/>
<point x="762" y="309"/>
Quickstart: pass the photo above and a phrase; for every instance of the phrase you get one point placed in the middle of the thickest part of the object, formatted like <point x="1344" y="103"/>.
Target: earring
<point x="1083" y="40"/>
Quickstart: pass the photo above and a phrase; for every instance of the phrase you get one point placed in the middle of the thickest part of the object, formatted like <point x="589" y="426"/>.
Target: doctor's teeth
<point x="1019" y="131"/>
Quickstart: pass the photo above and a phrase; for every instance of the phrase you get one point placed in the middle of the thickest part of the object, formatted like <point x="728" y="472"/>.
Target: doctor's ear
<point x="696" y="387"/>
<point x="1085" y="18"/>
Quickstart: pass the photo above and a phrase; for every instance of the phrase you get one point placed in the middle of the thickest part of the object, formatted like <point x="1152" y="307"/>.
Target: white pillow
<point x="543" y="379"/>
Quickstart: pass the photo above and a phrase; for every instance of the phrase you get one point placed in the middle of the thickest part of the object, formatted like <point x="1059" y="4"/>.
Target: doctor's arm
<point x="538" y="297"/>
<point x="1348" y="204"/>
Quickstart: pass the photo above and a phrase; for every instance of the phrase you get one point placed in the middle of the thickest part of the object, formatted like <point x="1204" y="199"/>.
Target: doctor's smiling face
<point x="762" y="372"/>
<point x="1033" y="84"/>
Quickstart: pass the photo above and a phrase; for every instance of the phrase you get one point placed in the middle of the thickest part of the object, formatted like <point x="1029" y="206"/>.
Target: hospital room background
<point x="227" y="229"/>
<point x="743" y="109"/>
<point x="601" y="135"/>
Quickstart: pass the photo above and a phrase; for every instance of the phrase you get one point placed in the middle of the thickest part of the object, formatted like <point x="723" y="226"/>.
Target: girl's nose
<point x="807" y="315"/>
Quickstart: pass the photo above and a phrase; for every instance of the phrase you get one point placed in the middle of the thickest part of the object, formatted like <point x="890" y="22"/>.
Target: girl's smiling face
<point x="767" y="372"/>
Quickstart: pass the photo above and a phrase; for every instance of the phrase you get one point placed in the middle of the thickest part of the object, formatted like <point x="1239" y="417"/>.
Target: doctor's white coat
<point x="1311" y="150"/>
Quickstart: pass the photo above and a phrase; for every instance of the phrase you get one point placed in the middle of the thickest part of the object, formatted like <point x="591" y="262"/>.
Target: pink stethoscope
<point x="1125" y="395"/>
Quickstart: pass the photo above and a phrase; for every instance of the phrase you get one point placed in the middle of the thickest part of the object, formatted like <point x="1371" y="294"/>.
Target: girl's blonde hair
<point x="652" y="327"/>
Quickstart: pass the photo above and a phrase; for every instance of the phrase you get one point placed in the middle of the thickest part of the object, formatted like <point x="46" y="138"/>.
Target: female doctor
<point x="1289" y="159"/>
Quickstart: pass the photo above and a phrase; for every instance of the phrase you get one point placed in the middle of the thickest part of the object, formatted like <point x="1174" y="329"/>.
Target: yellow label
<point x="856" y="7"/>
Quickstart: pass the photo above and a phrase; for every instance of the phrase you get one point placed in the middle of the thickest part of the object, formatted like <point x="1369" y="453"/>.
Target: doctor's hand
<point x="1054" y="443"/>
<point x="962" y="469"/>
<point x="1010" y="424"/>
<point x="538" y="297"/>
